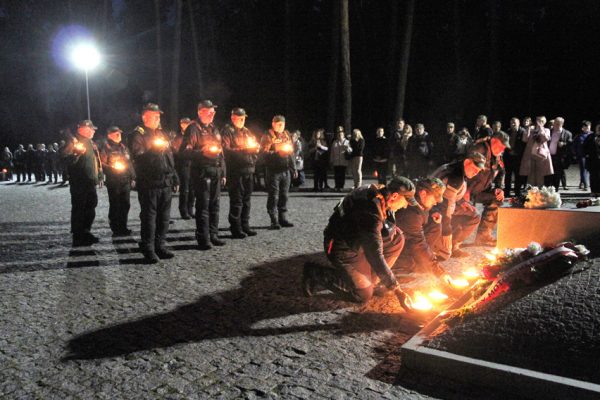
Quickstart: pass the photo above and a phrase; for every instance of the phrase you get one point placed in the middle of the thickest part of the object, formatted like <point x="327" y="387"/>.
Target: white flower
<point x="534" y="248"/>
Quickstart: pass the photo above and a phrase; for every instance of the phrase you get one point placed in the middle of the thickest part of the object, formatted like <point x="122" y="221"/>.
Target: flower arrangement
<point x="544" y="197"/>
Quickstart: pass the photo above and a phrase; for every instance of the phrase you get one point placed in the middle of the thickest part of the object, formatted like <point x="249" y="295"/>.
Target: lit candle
<point x="214" y="149"/>
<point x="251" y="143"/>
<point x="287" y="148"/>
<point x="459" y="283"/>
<point x="471" y="273"/>
<point x="160" y="142"/>
<point x="421" y="303"/>
<point x="119" y="166"/>
<point x="437" y="296"/>
<point x="79" y="147"/>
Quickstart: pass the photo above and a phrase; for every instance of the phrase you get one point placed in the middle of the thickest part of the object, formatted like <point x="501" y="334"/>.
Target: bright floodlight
<point x="85" y="56"/>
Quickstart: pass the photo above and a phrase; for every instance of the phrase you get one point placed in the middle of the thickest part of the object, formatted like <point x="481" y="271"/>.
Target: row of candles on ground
<point x="426" y="302"/>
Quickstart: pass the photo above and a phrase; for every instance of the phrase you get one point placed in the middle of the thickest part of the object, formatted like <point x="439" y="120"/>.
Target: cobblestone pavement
<point x="229" y="323"/>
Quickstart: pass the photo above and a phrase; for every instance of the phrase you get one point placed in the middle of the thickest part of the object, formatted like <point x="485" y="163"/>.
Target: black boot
<point x="284" y="222"/>
<point x="274" y="223"/>
<point x="237" y="233"/>
<point x="214" y="239"/>
<point x="163" y="253"/>
<point x="246" y="229"/>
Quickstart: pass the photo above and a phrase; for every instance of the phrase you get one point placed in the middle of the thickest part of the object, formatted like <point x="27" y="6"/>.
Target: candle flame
<point x="471" y="273"/>
<point x="437" y="296"/>
<point x="119" y="165"/>
<point x="421" y="302"/>
<point x="495" y="251"/>
<point x="491" y="257"/>
<point x="160" y="142"/>
<point x="459" y="282"/>
<point x="79" y="146"/>
<point x="287" y="148"/>
<point x="251" y="143"/>
<point x="214" y="149"/>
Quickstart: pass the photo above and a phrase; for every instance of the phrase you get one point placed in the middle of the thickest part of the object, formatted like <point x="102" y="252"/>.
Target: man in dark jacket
<point x="362" y="242"/>
<point x="421" y="229"/>
<point x="156" y="179"/>
<point x="202" y="146"/>
<point x="240" y="148"/>
<point x="278" y="150"/>
<point x="85" y="171"/>
<point x="459" y="217"/>
<point x="186" y="193"/>
<point x="19" y="161"/>
<point x="512" y="158"/>
<point x="486" y="187"/>
<point x="482" y="129"/>
<point x="561" y="141"/>
<point x="120" y="177"/>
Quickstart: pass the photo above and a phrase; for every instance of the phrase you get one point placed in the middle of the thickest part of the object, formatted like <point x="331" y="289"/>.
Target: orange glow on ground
<point x="437" y="296"/>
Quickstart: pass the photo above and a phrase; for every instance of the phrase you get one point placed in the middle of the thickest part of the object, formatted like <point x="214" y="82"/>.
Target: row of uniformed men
<point x="205" y="159"/>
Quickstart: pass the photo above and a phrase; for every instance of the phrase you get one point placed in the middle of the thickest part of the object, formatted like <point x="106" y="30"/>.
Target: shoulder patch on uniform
<point x="139" y="129"/>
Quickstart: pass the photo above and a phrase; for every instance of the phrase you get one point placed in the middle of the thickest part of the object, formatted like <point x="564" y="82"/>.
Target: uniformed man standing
<point x="202" y="146"/>
<point x="156" y="179"/>
<point x="85" y="172"/>
<point x="278" y="150"/>
<point x="186" y="193"/>
<point x="362" y="242"/>
<point x="241" y="152"/>
<point x="120" y="177"/>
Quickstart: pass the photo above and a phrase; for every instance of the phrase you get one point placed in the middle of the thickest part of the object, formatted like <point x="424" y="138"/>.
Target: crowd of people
<point x="422" y="215"/>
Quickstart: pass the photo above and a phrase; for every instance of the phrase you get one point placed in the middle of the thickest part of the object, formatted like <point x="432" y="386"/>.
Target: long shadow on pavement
<point x="271" y="291"/>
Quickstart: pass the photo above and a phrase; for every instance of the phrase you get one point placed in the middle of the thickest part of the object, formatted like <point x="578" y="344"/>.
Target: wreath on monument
<point x="523" y="269"/>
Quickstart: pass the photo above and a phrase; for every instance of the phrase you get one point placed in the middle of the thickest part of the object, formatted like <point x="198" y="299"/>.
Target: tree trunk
<point x="287" y="61"/>
<point x="493" y="57"/>
<point x="333" y="67"/>
<point x="195" y="44"/>
<point x="403" y="72"/>
<point x="458" y="79"/>
<point x="346" y="77"/>
<point x="394" y="11"/>
<point x="158" y="52"/>
<point x="176" y="62"/>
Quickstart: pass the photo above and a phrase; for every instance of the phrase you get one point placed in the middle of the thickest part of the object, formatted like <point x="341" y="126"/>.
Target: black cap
<point x="240" y="112"/>
<point x="477" y="158"/>
<point x="279" y="118"/>
<point x="88" y="123"/>
<point x="206" y="104"/>
<point x="114" y="128"/>
<point x="185" y="120"/>
<point x="152" y="107"/>
<point x="404" y="187"/>
<point x="503" y="137"/>
<point x="434" y="186"/>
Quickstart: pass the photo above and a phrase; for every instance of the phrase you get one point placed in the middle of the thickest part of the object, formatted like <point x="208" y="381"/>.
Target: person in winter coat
<point x="357" y="144"/>
<point x="536" y="163"/>
<point x="339" y="153"/>
<point x="381" y="153"/>
<point x="319" y="157"/>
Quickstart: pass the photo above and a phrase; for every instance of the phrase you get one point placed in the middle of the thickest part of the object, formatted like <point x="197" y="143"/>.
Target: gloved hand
<point x="403" y="298"/>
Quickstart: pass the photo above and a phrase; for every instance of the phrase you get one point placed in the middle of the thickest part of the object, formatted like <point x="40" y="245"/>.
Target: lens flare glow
<point x="421" y="302"/>
<point x="437" y="296"/>
<point x="85" y="56"/>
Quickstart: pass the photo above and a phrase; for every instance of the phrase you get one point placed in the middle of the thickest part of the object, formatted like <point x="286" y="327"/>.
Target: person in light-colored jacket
<point x="340" y="147"/>
<point x="534" y="167"/>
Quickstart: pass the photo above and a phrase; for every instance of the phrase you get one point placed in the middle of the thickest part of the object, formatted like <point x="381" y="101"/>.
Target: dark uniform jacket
<point x="483" y="132"/>
<point x="84" y="169"/>
<point x="381" y="149"/>
<point x="453" y="176"/>
<point x="360" y="220"/>
<point x="270" y="144"/>
<point x="111" y="152"/>
<point x="517" y="146"/>
<point x="493" y="174"/>
<point x="411" y="221"/>
<point x="154" y="167"/>
<point x="176" y="147"/>
<point x="240" y="158"/>
<point x="195" y="147"/>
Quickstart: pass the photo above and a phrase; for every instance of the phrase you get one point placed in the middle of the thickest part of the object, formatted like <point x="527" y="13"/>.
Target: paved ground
<point x="227" y="323"/>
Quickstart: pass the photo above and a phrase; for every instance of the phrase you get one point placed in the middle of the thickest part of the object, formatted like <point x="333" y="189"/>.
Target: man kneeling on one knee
<point x="362" y="242"/>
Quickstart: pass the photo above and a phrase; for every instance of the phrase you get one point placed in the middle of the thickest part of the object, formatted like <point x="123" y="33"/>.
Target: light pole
<point x="85" y="56"/>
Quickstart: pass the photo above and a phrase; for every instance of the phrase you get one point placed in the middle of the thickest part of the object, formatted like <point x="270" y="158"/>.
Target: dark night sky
<point x="545" y="63"/>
